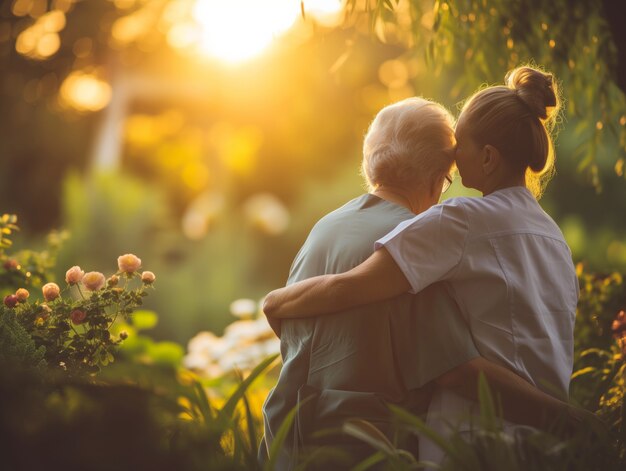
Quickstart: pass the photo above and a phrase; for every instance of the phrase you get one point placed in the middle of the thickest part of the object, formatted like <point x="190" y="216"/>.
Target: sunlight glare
<point x="240" y="29"/>
<point x="324" y="11"/>
<point x="236" y="30"/>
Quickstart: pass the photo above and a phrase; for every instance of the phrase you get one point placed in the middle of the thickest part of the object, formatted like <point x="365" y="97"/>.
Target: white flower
<point x="243" y="308"/>
<point x="196" y="361"/>
<point x="202" y="343"/>
<point x="271" y="346"/>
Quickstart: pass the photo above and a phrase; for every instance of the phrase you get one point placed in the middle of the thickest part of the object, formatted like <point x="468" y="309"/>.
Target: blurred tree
<point x="63" y="60"/>
<point x="478" y="41"/>
<point x="86" y="80"/>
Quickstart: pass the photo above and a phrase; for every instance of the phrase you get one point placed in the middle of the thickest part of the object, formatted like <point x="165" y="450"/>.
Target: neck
<point x="399" y="196"/>
<point x="501" y="184"/>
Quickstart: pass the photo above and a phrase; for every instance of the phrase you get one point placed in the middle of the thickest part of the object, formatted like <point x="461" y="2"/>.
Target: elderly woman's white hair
<point x="409" y="143"/>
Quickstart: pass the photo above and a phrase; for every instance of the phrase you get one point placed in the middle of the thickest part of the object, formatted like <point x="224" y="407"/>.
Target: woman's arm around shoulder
<point x="376" y="279"/>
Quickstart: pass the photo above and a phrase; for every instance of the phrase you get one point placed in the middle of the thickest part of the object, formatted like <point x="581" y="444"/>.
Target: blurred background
<point x="208" y="136"/>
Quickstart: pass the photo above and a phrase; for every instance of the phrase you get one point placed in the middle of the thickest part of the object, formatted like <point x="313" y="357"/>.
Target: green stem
<point x="80" y="291"/>
<point x="72" y="327"/>
<point x="113" y="321"/>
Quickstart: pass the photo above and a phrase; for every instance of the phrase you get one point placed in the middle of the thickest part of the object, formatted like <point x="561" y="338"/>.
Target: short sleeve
<point x="429" y="247"/>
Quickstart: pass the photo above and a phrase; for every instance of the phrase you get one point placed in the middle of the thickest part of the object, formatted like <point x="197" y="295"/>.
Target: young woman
<point x="502" y="257"/>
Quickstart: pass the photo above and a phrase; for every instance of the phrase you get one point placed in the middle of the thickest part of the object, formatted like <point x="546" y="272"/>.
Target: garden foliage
<point x="145" y="411"/>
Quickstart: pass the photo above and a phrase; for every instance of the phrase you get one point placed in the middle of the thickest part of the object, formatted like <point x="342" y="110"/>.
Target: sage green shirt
<point x="355" y="361"/>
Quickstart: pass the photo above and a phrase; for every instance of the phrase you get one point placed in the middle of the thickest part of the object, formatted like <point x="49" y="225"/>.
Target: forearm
<point x="303" y="299"/>
<point x="522" y="403"/>
<point x="376" y="279"/>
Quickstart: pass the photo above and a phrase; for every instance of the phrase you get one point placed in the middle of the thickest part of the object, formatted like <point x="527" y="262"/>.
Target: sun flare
<point x="236" y="30"/>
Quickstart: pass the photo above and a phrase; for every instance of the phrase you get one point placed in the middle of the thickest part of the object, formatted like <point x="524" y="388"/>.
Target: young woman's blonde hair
<point x="409" y="143"/>
<point x="518" y="119"/>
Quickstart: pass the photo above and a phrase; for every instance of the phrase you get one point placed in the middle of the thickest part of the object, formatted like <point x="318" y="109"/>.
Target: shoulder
<point x="445" y="221"/>
<point x="366" y="210"/>
<point x="446" y="212"/>
<point x="464" y="204"/>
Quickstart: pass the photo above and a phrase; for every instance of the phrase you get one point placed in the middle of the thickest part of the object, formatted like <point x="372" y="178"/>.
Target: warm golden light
<point x="85" y="92"/>
<point x="47" y="45"/>
<point x="393" y="73"/>
<point x="53" y="21"/>
<point x="237" y="30"/>
<point x="40" y="40"/>
<point x="324" y="11"/>
<point x="267" y="213"/>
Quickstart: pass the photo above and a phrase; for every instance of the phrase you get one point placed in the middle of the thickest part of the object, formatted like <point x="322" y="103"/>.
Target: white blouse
<point x="511" y="272"/>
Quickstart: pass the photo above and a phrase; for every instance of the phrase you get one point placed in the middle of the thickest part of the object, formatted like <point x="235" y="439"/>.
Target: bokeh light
<point x="267" y="213"/>
<point x="199" y="215"/>
<point x="41" y="40"/>
<point x="85" y="92"/>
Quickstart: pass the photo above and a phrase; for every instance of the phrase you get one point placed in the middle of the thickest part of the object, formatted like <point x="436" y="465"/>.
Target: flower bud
<point x="128" y="263"/>
<point x="78" y="316"/>
<point x="22" y="295"/>
<point x="94" y="280"/>
<point x="11" y="264"/>
<point x="50" y="291"/>
<point x="148" y="277"/>
<point x="10" y="301"/>
<point x="113" y="280"/>
<point x="123" y="335"/>
<point x="45" y="311"/>
<point x="74" y="275"/>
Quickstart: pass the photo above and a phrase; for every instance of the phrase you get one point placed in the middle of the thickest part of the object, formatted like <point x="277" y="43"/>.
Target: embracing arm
<point x="522" y="403"/>
<point x="376" y="279"/>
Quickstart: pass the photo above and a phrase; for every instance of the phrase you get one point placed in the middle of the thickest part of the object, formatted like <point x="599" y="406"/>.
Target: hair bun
<point x="536" y="89"/>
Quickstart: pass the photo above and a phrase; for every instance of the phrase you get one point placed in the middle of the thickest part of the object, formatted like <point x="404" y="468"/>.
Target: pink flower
<point x="148" y="277"/>
<point x="113" y="280"/>
<point x="78" y="316"/>
<point x="619" y="330"/>
<point x="619" y="324"/>
<point x="128" y="263"/>
<point x="22" y="295"/>
<point x="94" y="280"/>
<point x="74" y="275"/>
<point x="11" y="264"/>
<point x="10" y="300"/>
<point x="50" y="291"/>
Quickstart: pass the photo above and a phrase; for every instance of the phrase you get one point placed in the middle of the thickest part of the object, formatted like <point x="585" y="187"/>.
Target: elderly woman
<point x="349" y="365"/>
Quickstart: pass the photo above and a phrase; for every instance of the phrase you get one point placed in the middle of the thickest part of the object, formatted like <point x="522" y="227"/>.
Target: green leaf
<point x="422" y="428"/>
<point x="596" y="351"/>
<point x="583" y="372"/>
<point x="144" y="320"/>
<point x="488" y="415"/>
<point x="232" y="401"/>
<point x="368" y="433"/>
<point x="169" y="353"/>
<point x="281" y="435"/>
<point x="370" y="461"/>
<point x="251" y="453"/>
<point x="202" y="401"/>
